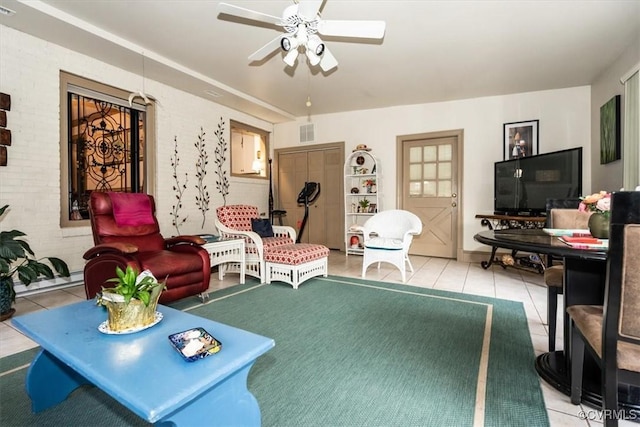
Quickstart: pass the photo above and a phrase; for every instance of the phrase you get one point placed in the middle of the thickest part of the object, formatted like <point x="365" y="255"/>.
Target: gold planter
<point x="134" y="315"/>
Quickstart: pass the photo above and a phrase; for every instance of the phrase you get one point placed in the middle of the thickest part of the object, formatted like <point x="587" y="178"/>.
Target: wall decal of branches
<point x="178" y="188"/>
<point x="202" y="198"/>
<point x="222" y="183"/>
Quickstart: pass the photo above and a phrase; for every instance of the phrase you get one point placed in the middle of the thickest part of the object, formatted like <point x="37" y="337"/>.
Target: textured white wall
<point x="30" y="183"/>
<point x="564" y="123"/>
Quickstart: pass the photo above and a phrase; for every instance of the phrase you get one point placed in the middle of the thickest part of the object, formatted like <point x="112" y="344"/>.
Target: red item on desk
<point x="590" y="240"/>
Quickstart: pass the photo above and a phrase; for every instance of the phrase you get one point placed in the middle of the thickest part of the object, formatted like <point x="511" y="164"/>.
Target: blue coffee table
<point x="143" y="371"/>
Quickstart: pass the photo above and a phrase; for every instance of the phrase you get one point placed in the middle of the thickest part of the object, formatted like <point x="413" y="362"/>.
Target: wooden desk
<point x="584" y="283"/>
<point x="143" y="371"/>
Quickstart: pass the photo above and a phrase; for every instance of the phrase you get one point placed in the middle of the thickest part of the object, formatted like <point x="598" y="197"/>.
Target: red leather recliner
<point x="132" y="237"/>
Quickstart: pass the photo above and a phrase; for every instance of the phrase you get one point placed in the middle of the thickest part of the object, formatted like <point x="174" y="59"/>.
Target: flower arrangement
<point x="369" y="182"/>
<point x="596" y="202"/>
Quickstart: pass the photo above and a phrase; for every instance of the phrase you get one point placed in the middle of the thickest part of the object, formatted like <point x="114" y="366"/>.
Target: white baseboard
<point x="76" y="278"/>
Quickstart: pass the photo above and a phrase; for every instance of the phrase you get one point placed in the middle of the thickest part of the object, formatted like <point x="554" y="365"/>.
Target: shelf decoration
<point x="5" y="134"/>
<point x="370" y="185"/>
<point x="361" y="198"/>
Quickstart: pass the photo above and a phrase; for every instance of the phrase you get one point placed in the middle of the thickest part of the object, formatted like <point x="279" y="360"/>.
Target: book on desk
<point x="558" y="232"/>
<point x="584" y="242"/>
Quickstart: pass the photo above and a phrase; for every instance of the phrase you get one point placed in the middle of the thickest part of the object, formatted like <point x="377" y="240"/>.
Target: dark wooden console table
<point x="509" y="222"/>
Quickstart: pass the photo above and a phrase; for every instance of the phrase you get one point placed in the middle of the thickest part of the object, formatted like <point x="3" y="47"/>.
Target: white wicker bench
<point x="296" y="263"/>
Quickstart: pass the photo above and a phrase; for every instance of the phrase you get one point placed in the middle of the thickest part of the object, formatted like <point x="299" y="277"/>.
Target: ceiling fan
<point x="302" y="23"/>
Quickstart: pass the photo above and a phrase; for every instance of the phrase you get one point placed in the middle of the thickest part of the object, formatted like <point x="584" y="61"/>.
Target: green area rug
<point x="350" y="353"/>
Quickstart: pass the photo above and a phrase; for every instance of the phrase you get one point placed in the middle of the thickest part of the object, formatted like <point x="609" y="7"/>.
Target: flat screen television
<point x="522" y="186"/>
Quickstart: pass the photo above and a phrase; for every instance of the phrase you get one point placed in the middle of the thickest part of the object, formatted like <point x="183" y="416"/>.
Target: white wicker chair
<point x="234" y="222"/>
<point x="387" y="237"/>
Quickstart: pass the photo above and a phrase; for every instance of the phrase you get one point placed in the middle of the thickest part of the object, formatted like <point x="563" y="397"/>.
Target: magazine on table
<point x="567" y="232"/>
<point x="583" y="242"/>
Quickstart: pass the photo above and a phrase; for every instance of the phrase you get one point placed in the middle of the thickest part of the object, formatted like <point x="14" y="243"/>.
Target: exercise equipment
<point x="309" y="194"/>
<point x="273" y="213"/>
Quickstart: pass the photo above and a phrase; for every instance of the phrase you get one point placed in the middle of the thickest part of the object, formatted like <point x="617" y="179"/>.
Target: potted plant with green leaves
<point x="131" y="304"/>
<point x="364" y="205"/>
<point x="17" y="260"/>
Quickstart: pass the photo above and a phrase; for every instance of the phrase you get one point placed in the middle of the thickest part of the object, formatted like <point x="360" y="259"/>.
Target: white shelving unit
<point x="360" y="168"/>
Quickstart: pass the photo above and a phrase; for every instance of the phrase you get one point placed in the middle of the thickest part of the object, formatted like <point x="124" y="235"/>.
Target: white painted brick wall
<point x="30" y="183"/>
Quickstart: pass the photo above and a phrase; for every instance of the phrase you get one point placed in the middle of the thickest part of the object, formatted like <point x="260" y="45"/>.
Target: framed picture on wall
<point x="520" y="139"/>
<point x="610" y="131"/>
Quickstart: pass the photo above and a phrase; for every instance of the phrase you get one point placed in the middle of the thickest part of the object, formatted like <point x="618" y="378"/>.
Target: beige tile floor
<point x="437" y="273"/>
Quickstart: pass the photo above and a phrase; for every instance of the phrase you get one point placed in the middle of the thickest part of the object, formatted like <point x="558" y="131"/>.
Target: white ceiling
<point x="432" y="50"/>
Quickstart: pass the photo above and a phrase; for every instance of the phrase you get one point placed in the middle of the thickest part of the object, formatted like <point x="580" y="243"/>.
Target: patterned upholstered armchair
<point x="234" y="222"/>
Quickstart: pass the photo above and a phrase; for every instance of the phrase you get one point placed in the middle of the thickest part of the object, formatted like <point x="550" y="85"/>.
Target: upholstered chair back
<point x="237" y="217"/>
<point x="569" y="218"/>
<point x="630" y="308"/>
<point x="125" y="217"/>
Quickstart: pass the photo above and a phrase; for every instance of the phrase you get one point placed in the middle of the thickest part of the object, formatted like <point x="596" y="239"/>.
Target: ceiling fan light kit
<point x="302" y="23"/>
<point x="315" y="45"/>
<point x="290" y="57"/>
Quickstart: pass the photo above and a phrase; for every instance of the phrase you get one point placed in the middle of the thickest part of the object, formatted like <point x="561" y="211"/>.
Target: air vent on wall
<point x="307" y="133"/>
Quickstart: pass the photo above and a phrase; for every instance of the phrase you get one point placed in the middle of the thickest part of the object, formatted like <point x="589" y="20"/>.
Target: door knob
<point x="454" y="204"/>
<point x="454" y="195"/>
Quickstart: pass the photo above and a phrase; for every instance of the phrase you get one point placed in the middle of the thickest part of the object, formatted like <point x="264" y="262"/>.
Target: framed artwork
<point x="610" y="131"/>
<point x="373" y="208"/>
<point x="520" y="139"/>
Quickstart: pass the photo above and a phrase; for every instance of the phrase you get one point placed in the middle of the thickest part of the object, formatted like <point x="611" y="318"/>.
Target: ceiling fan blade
<point x="265" y="50"/>
<point x="328" y="61"/>
<point x="241" y="12"/>
<point x="309" y="8"/>
<point x="361" y="29"/>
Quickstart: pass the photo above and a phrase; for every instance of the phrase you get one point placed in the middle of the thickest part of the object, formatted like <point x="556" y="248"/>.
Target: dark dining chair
<point x="561" y="213"/>
<point x="611" y="332"/>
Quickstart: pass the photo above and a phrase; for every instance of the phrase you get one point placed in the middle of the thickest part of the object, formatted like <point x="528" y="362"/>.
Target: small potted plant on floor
<point x="132" y="303"/>
<point x="17" y="259"/>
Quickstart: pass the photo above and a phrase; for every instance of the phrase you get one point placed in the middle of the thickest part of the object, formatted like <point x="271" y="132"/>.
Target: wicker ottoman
<point x="295" y="263"/>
